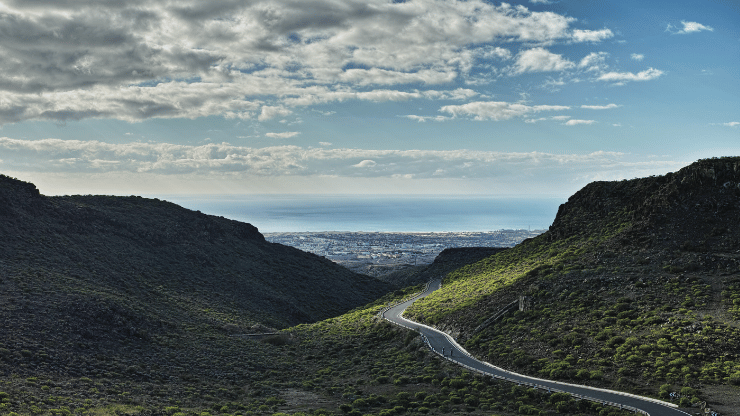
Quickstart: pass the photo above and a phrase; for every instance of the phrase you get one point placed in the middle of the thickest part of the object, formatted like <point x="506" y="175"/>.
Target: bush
<point x="278" y="340"/>
<point x="559" y="397"/>
<point x="401" y="381"/>
<point x="382" y="380"/>
<point x="528" y="409"/>
<point x="735" y="378"/>
<point x="360" y="403"/>
<point x="583" y="374"/>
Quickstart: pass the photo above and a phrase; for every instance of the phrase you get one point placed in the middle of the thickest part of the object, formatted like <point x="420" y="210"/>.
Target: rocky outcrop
<point x="689" y="208"/>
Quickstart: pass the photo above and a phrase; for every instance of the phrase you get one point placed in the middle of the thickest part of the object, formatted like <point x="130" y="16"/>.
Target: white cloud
<point x="688" y="27"/>
<point x="324" y="144"/>
<point x="559" y="118"/>
<point x="66" y="158"/>
<point x="269" y="112"/>
<point x="637" y="57"/>
<point x="497" y="110"/>
<point x="591" y="35"/>
<point x="540" y="60"/>
<point x="600" y="107"/>
<point x="136" y="60"/>
<point x="731" y="124"/>
<point x="423" y="119"/>
<point x="284" y="135"/>
<point x="646" y="75"/>
<point x="377" y="76"/>
<point x="579" y="122"/>
<point x="325" y="113"/>
<point x="489" y="52"/>
<point x="554" y="118"/>
<point x="365" y="164"/>
<point x="595" y="61"/>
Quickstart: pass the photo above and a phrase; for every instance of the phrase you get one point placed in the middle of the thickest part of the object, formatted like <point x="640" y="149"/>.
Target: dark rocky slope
<point x="99" y="273"/>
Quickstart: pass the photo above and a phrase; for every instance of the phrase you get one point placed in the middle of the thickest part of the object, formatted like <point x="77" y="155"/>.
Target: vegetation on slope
<point x="623" y="295"/>
<point x="635" y="287"/>
<point x="448" y="260"/>
<point x="353" y="364"/>
<point x="115" y="306"/>
<point x="148" y="258"/>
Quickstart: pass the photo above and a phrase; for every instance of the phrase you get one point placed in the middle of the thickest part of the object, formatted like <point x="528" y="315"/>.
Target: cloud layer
<point x="95" y="157"/>
<point x="259" y="59"/>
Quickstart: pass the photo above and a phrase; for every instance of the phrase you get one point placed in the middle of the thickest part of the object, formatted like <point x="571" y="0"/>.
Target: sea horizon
<point x="377" y="213"/>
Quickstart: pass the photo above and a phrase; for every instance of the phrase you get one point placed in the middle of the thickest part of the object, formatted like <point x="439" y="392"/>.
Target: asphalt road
<point x="439" y="341"/>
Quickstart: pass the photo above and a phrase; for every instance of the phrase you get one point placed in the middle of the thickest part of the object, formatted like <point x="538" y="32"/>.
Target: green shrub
<point x="583" y="374"/>
<point x="528" y="409"/>
<point x="403" y="380"/>
<point x="360" y="403"/>
<point x="735" y="378"/>
<point x="382" y="379"/>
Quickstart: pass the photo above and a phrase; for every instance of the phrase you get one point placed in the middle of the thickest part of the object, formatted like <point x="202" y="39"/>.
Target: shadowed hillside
<point x="98" y="273"/>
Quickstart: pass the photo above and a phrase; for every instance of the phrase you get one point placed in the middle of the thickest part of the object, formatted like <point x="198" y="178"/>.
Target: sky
<point x="532" y="97"/>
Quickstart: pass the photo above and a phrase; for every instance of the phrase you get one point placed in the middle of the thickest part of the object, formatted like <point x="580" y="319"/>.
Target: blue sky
<point x="395" y="97"/>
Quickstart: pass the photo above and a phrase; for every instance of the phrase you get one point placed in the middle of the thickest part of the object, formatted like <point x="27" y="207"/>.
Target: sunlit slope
<point x="636" y="286"/>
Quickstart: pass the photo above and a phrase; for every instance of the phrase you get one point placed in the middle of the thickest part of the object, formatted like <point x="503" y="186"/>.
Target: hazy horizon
<point x="378" y="213"/>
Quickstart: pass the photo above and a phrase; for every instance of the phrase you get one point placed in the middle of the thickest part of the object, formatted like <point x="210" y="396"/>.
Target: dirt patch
<point x="724" y="400"/>
<point x="297" y="400"/>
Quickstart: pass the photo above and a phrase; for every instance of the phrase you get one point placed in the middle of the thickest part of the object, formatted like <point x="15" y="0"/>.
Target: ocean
<point x="378" y="213"/>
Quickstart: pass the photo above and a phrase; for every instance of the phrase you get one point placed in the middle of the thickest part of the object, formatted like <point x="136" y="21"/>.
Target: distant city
<point x="365" y="251"/>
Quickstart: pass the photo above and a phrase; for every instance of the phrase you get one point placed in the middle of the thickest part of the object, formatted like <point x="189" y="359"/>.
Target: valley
<point x="380" y="253"/>
<point x="134" y="306"/>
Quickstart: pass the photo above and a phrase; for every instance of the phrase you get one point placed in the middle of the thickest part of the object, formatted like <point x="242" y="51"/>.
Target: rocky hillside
<point x="694" y="207"/>
<point x="635" y="286"/>
<point x="100" y="272"/>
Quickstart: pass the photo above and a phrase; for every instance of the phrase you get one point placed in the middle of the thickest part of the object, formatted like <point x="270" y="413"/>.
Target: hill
<point x="98" y="274"/>
<point x="617" y="293"/>
<point x="132" y="306"/>
<point x="635" y="286"/>
<point x="446" y="261"/>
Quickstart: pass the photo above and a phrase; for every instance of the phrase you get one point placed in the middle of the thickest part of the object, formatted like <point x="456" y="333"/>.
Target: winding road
<point x="439" y="341"/>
